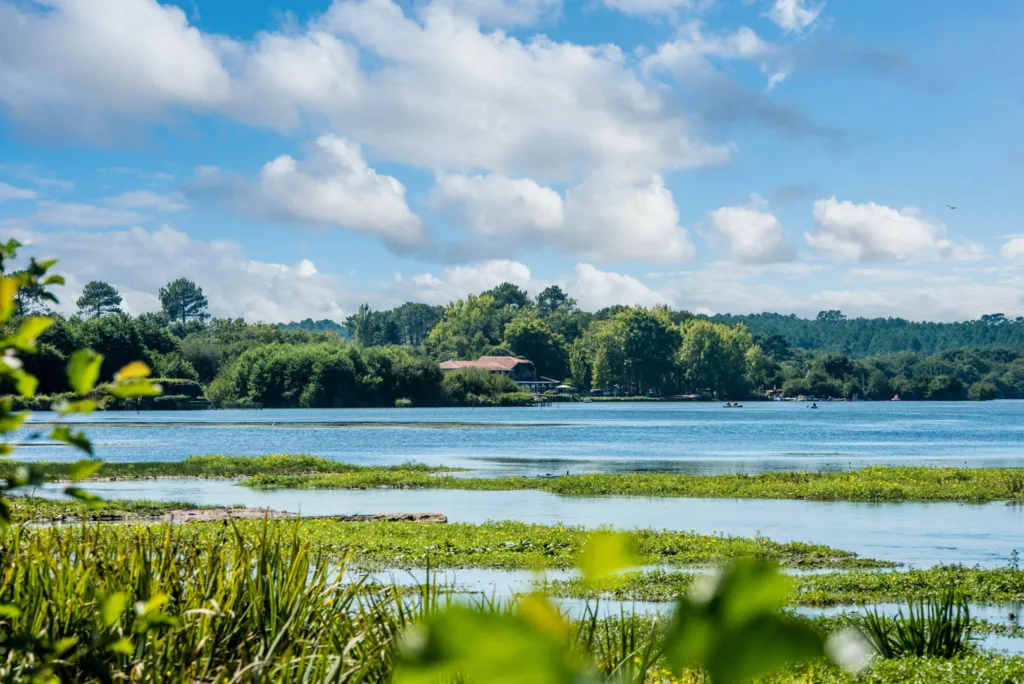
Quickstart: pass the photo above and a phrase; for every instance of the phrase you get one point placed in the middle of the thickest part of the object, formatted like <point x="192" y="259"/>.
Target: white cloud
<point x="506" y="12"/>
<point x="9" y="192"/>
<point x="146" y="199"/>
<point x="459" y="281"/>
<point x="429" y="88"/>
<point x="648" y="8"/>
<point x="602" y="219"/>
<point x="607" y="221"/>
<point x="332" y="186"/>
<point x="753" y="234"/>
<point x="78" y="215"/>
<point x="82" y="66"/>
<point x="139" y="262"/>
<point x="611" y="221"/>
<point x="595" y="289"/>
<point x="1013" y="249"/>
<point x="794" y="15"/>
<point x="868" y="232"/>
<point x="592" y="288"/>
<point x="446" y="95"/>
<point x="496" y="205"/>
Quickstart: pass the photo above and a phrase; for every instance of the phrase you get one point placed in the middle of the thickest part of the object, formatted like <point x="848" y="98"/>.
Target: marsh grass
<point x="938" y="628"/>
<point x="883" y="484"/>
<point x="218" y="465"/>
<point x="33" y="508"/>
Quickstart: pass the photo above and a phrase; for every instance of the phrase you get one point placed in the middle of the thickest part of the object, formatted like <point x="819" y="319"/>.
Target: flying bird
<point x="951" y="206"/>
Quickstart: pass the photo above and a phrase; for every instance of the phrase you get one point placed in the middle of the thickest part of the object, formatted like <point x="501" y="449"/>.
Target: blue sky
<point x="299" y="157"/>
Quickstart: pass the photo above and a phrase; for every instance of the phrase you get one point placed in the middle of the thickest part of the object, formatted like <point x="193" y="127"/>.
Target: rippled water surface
<point x="701" y="438"/>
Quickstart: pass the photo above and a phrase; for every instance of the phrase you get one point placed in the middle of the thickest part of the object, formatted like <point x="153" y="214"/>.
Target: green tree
<point x="98" y="298"/>
<point x="470" y="327"/>
<point x="508" y="294"/>
<point x="183" y="300"/>
<point x="552" y="299"/>
<point x="713" y="357"/>
<point x="529" y="337"/>
<point x="983" y="391"/>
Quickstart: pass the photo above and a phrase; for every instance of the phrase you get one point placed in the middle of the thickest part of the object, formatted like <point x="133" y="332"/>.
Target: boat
<point x="733" y="406"/>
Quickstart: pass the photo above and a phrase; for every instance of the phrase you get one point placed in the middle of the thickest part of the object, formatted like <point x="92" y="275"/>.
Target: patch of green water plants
<point x="218" y="465"/>
<point x="1002" y="585"/>
<point x="881" y="484"/>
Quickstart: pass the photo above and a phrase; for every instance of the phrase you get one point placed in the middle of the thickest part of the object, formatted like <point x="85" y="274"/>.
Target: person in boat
<point x="814" y="404"/>
<point x="728" y="404"/>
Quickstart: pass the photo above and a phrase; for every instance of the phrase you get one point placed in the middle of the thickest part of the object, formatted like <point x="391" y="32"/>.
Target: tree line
<point x="390" y="357"/>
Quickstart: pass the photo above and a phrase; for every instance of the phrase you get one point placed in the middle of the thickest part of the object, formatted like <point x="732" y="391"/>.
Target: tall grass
<point x="938" y="628"/>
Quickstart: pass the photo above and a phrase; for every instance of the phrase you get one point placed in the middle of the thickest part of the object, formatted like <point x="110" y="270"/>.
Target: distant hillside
<point x="833" y="332"/>
<point x="317" y="326"/>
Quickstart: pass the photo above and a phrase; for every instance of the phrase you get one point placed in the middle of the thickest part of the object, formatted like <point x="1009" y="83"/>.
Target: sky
<point x="297" y="158"/>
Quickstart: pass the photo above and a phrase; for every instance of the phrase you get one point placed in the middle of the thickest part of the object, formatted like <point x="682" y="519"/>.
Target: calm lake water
<point x="700" y="438"/>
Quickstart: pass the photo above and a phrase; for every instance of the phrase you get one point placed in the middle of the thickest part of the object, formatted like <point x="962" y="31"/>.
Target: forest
<point x="390" y="357"/>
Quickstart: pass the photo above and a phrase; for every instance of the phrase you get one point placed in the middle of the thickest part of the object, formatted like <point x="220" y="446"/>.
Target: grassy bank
<point x="868" y="484"/>
<point x="1001" y="585"/>
<point x="217" y="465"/>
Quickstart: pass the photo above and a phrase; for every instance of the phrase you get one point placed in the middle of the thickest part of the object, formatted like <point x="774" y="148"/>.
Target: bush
<point x="174" y="365"/>
<point x="403" y="403"/>
<point x="171" y="402"/>
<point x="983" y="391"/>
<point x="476" y="387"/>
<point x="515" y="399"/>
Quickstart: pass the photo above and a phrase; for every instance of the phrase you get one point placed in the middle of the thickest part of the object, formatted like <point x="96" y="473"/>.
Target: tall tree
<point x="553" y="298"/>
<point x="531" y="338"/>
<point x="183" y="300"/>
<point x="508" y="294"/>
<point x="99" y="298"/>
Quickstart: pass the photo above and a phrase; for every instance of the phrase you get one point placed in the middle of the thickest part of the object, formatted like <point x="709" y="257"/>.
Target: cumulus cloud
<point x="1013" y="249"/>
<point x="139" y="262"/>
<point x="595" y="289"/>
<point x="497" y="205"/>
<point x="602" y="219"/>
<point x="869" y="232"/>
<point x="794" y="15"/>
<point x="753" y="234"/>
<point x="459" y="281"/>
<point x="648" y="8"/>
<point x="591" y="287"/>
<point x="506" y="12"/>
<point x="147" y="199"/>
<point x="104" y="63"/>
<point x="618" y="222"/>
<point x="9" y="192"/>
<point x="429" y="87"/>
<point x="331" y="187"/>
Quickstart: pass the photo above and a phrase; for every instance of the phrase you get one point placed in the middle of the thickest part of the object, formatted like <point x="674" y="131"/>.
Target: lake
<point x="681" y="437"/>
<point x="619" y="437"/>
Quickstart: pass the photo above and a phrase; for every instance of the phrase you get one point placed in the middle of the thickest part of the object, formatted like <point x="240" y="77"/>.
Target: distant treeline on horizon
<point x="831" y="331"/>
<point x="391" y="357"/>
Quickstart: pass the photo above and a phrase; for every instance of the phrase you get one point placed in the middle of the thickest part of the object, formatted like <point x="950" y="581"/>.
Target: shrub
<point x="936" y="628"/>
<point x="176" y="386"/>
<point x="403" y="403"/>
<point x="982" y="391"/>
<point x="515" y="399"/>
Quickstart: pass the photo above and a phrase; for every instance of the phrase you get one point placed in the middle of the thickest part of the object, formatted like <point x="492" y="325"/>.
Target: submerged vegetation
<point x="880" y="483"/>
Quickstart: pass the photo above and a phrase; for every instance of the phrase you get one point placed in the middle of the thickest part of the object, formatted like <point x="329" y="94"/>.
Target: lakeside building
<point x="520" y="371"/>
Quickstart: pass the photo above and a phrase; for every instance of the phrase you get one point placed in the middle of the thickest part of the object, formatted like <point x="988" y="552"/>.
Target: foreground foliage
<point x="868" y="484"/>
